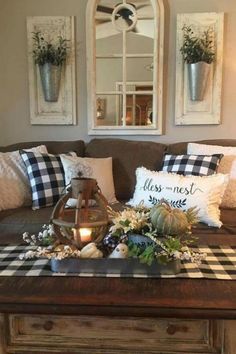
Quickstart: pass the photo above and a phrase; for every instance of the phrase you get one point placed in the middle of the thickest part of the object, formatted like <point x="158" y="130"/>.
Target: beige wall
<point x="14" y="98"/>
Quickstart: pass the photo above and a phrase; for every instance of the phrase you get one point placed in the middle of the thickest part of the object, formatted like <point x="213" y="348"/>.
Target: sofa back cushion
<point x="53" y="147"/>
<point x="127" y="156"/>
<point x="181" y="148"/>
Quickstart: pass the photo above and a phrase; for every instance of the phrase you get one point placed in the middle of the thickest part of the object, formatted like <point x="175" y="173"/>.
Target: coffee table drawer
<point x="98" y="334"/>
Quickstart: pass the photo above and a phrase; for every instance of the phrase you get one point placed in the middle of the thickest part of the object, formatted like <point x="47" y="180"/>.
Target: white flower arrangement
<point x="45" y="237"/>
<point x="46" y="246"/>
<point x="134" y="220"/>
<point x="65" y="251"/>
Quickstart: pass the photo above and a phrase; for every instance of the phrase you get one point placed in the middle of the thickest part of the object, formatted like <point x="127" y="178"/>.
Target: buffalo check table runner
<point x="220" y="263"/>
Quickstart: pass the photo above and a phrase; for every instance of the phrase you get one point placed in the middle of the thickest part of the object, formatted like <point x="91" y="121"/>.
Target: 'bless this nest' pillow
<point x="181" y="192"/>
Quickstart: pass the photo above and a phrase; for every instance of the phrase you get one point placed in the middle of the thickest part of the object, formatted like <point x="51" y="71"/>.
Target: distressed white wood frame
<point x="156" y="127"/>
<point x="208" y="111"/>
<point x="62" y="112"/>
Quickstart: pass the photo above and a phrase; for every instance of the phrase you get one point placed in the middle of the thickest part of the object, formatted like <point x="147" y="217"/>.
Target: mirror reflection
<point x="124" y="63"/>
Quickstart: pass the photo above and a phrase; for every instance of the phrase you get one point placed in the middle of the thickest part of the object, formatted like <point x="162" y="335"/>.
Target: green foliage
<point x="47" y="52"/>
<point x="197" y="48"/>
<point x="145" y="255"/>
<point x="163" y="250"/>
<point x="172" y="244"/>
<point x="48" y="240"/>
<point x="148" y="255"/>
<point x="134" y="250"/>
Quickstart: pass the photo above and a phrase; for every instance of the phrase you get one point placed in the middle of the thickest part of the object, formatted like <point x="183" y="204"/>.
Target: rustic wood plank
<point x="163" y="296"/>
<point x="124" y="334"/>
<point x="230" y="337"/>
<point x="2" y="335"/>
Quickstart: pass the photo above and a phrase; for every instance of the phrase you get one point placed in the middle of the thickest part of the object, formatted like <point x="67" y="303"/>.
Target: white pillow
<point x="14" y="183"/>
<point x="98" y="168"/>
<point x="227" y="166"/>
<point x="204" y="192"/>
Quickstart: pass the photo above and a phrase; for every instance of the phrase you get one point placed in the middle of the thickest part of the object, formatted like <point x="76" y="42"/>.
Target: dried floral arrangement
<point x="166" y="232"/>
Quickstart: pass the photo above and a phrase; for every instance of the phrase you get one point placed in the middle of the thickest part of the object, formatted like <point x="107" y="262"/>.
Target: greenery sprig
<point x="197" y="48"/>
<point x="47" y="52"/>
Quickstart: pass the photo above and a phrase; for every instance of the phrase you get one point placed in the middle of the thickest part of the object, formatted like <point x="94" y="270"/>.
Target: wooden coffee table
<point x="117" y="315"/>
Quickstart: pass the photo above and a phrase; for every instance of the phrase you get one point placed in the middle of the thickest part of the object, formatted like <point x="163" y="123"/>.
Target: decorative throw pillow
<point x="182" y="192"/>
<point x="196" y="165"/>
<point x="227" y="165"/>
<point x="46" y="178"/>
<point x="14" y="183"/>
<point x="98" y="168"/>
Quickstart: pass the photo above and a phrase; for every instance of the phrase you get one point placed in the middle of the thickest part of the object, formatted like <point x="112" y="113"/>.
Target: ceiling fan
<point x="123" y="13"/>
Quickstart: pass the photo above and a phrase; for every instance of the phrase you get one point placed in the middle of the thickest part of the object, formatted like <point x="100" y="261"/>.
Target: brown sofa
<point x="127" y="156"/>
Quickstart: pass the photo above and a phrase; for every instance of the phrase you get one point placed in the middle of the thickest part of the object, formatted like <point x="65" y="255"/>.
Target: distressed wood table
<point x="117" y="315"/>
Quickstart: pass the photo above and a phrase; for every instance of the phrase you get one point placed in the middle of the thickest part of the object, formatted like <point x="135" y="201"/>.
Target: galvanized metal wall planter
<point x="198" y="75"/>
<point x="50" y="79"/>
<point x="198" y="93"/>
<point x="52" y="91"/>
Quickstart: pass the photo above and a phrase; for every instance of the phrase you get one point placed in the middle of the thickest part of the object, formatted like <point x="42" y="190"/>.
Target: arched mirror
<point x="124" y="66"/>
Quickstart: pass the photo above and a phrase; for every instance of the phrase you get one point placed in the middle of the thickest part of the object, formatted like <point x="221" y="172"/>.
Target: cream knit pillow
<point x="227" y="166"/>
<point x="14" y="183"/>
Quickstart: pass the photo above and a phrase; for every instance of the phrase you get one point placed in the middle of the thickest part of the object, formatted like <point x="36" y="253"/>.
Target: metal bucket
<point x="198" y="74"/>
<point x="50" y="78"/>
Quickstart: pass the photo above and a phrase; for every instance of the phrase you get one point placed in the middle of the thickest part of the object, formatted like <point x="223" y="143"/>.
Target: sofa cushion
<point x="198" y="165"/>
<point x="14" y="222"/>
<point x="53" y="147"/>
<point x="227" y="166"/>
<point x="181" y="148"/>
<point x="97" y="168"/>
<point x="14" y="183"/>
<point x="46" y="178"/>
<point x="183" y="192"/>
<point x="127" y="156"/>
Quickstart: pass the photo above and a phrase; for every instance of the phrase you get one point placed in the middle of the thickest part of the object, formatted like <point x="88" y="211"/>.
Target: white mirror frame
<point x="156" y="127"/>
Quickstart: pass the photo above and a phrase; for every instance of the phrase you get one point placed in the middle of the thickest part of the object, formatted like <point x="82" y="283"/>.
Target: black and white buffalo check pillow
<point x="46" y="178"/>
<point x="197" y="165"/>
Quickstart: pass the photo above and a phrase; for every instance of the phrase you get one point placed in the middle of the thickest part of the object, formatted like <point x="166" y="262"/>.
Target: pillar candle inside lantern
<point x="85" y="235"/>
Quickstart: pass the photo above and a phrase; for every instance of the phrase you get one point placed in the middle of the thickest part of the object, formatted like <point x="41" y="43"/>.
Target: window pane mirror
<point x="124" y="66"/>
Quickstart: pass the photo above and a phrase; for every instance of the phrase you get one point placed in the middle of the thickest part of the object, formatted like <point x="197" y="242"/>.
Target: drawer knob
<point x="48" y="325"/>
<point x="172" y="329"/>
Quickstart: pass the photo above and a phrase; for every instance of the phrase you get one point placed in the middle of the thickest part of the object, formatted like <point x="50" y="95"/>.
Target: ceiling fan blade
<point x="138" y="7"/>
<point x="105" y="9"/>
<point x="100" y="22"/>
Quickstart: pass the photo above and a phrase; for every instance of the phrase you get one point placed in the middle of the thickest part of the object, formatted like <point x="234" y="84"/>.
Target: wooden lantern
<point x="85" y="223"/>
